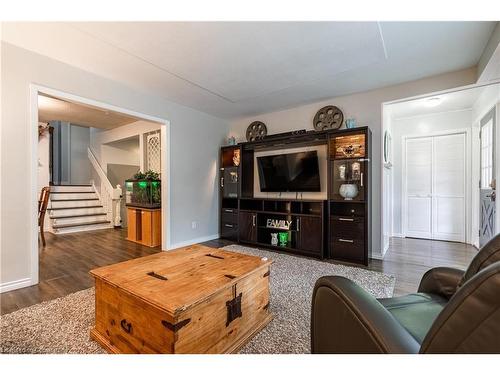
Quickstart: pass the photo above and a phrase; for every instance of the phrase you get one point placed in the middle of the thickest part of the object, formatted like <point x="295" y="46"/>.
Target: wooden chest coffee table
<point x="190" y="300"/>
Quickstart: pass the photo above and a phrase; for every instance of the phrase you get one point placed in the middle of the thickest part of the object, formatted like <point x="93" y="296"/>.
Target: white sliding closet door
<point x="435" y="187"/>
<point x="419" y="187"/>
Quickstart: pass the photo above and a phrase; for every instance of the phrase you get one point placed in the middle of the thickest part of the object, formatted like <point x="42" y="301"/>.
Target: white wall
<point x="195" y="139"/>
<point x="99" y="137"/>
<point x="115" y="155"/>
<point x="366" y="108"/>
<point x="421" y="126"/>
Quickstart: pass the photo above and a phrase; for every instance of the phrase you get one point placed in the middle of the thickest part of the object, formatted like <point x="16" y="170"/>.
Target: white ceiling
<point x="54" y="109"/>
<point x="234" y="69"/>
<point x="455" y="101"/>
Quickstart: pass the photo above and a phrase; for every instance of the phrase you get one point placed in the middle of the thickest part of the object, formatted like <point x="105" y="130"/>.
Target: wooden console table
<point x="144" y="225"/>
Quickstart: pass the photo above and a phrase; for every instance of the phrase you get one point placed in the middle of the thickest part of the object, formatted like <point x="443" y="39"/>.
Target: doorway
<point x="35" y="92"/>
<point x="430" y="138"/>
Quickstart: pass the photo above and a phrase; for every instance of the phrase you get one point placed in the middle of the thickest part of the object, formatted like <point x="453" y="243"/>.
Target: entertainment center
<point x="337" y="227"/>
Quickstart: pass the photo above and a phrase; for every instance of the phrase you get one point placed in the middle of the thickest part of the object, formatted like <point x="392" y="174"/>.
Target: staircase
<point x="76" y="208"/>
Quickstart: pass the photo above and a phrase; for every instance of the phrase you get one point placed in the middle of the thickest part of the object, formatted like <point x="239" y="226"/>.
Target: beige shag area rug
<point x="62" y="325"/>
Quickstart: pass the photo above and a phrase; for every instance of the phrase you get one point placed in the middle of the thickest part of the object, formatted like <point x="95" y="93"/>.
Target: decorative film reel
<point x="329" y="117"/>
<point x="256" y="131"/>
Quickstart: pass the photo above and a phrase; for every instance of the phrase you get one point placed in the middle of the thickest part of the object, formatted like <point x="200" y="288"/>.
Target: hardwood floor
<point x="67" y="259"/>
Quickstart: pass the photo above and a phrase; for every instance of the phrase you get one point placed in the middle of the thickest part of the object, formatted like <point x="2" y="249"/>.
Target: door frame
<point x="35" y="90"/>
<point x="467" y="178"/>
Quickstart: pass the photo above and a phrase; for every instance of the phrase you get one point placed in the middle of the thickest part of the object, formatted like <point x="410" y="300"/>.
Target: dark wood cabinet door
<point x="248" y="226"/>
<point x="310" y="234"/>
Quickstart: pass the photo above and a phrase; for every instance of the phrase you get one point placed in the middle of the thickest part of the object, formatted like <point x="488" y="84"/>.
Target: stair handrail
<point x="109" y="196"/>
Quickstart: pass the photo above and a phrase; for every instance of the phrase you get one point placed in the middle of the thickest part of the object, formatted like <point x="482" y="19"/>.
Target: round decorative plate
<point x="256" y="131"/>
<point x="329" y="117"/>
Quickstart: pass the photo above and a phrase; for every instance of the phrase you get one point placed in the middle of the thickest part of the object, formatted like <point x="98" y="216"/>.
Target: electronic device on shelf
<point x="294" y="172"/>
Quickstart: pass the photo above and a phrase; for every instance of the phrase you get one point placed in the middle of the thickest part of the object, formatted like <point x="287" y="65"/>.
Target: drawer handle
<point x="227" y="210"/>
<point x="342" y="240"/>
<point x="228" y="225"/>
<point x="345" y="219"/>
<point x="127" y="327"/>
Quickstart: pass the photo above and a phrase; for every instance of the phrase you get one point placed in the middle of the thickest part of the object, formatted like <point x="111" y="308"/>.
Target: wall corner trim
<point x="15" y="284"/>
<point x="193" y="241"/>
<point x="377" y="255"/>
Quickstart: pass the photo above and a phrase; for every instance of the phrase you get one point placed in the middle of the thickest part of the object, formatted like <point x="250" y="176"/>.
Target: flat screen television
<point x="289" y="172"/>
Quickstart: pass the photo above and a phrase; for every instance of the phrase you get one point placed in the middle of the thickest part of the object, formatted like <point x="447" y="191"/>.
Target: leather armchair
<point x="453" y="311"/>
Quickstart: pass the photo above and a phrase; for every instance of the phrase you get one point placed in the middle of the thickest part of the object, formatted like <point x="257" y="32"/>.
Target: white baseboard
<point x="193" y="241"/>
<point x="16" y="284"/>
<point x="400" y="235"/>
<point x="377" y="255"/>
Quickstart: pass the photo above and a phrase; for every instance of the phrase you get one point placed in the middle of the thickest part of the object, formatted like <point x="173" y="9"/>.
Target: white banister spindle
<point x="109" y="197"/>
<point x="117" y="200"/>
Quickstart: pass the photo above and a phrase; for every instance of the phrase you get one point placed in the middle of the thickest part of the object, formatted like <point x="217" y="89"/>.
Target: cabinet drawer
<point x="348" y="248"/>
<point x="229" y="230"/>
<point x="347" y="227"/>
<point x="229" y="217"/>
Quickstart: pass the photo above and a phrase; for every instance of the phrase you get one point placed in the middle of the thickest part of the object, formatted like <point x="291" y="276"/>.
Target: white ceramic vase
<point x="348" y="191"/>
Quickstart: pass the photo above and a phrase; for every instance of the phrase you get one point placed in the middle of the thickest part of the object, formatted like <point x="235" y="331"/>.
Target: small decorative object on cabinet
<point x="274" y="239"/>
<point x="231" y="141"/>
<point x="350" y="123"/>
<point x="348" y="191"/>
<point x="329" y="117"/>
<point x="236" y="157"/>
<point x="283" y="238"/>
<point x="256" y="131"/>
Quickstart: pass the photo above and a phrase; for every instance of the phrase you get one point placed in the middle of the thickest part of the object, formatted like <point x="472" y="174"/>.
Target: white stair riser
<point x="76" y="211"/>
<point x="82" y="228"/>
<point x="62" y="196"/>
<point x="78" y="220"/>
<point x="72" y="188"/>
<point x="74" y="204"/>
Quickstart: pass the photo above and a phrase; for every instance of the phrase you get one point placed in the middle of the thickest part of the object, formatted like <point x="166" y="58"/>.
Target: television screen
<point x="289" y="172"/>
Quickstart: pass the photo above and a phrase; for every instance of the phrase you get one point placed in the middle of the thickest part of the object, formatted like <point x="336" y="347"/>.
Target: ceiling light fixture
<point x="433" y="102"/>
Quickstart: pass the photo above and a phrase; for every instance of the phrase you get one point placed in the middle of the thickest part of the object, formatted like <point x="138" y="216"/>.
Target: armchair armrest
<point x="347" y="319"/>
<point x="441" y="280"/>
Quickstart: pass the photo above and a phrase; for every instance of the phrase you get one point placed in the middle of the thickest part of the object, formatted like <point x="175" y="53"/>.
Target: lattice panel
<point x="153" y="152"/>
